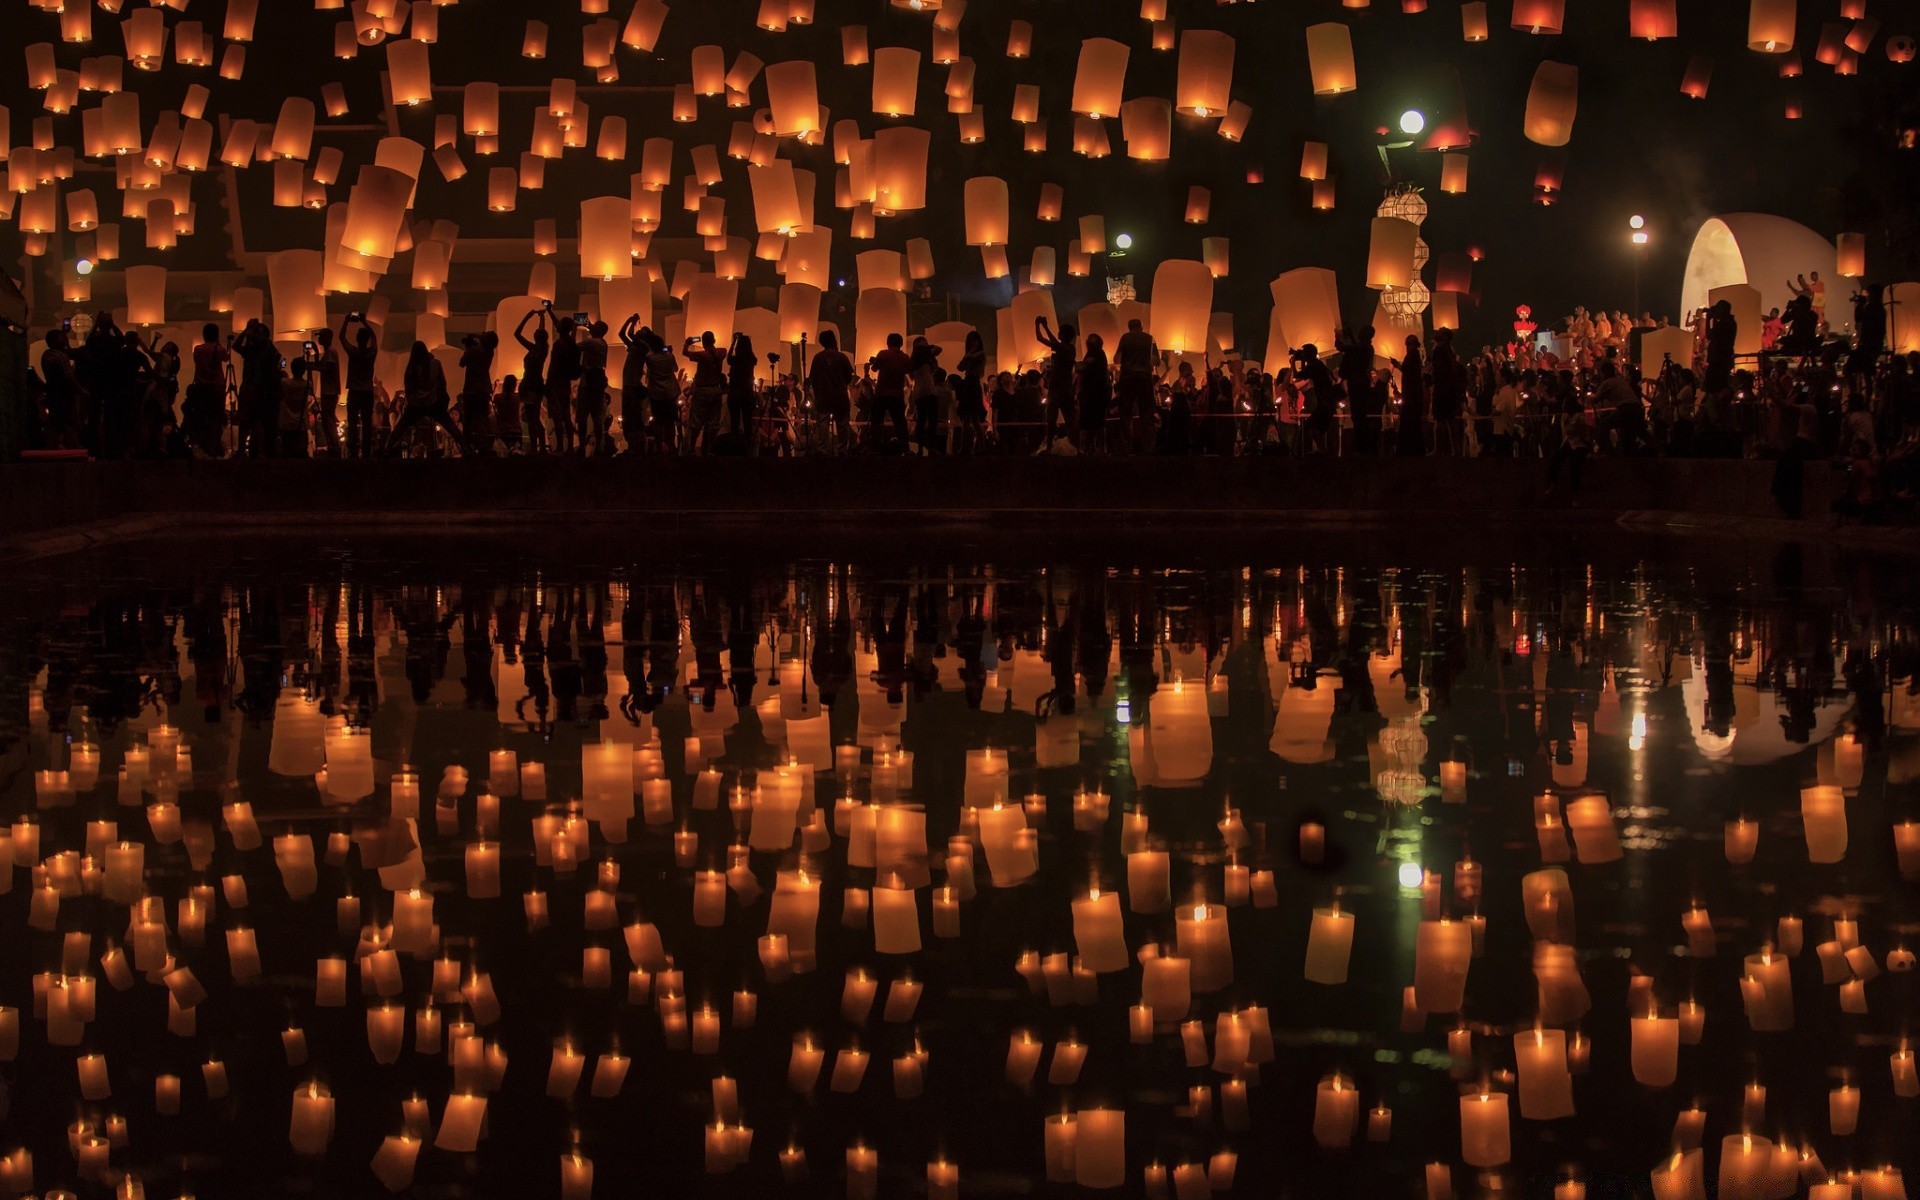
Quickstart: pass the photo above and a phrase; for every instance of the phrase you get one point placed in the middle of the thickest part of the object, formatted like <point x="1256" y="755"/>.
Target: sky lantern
<point x="710" y="306"/>
<point x="480" y="109"/>
<point x="503" y="189"/>
<point x="1390" y="251"/>
<point x="1019" y="39"/>
<point x="919" y="259"/>
<point x="1453" y="174"/>
<point x="1696" y="78"/>
<point x="606" y="242"/>
<point x="1205" y="73"/>
<point x="1233" y="126"/>
<point x="900" y="169"/>
<point x="1330" y="58"/>
<point x="792" y="98"/>
<point x="1214" y="252"/>
<point x="1182" y="301"/>
<point x="1313" y="160"/>
<point x="884" y="270"/>
<point x="612" y="145"/>
<point x="709" y="64"/>
<point x="1770" y="25"/>
<point x="896" y="81"/>
<point x="986" y="211"/>
<point x="1539" y="16"/>
<point x="1090" y="136"/>
<point x="1100" y="77"/>
<point x="294" y="278"/>
<point x="293" y="131"/>
<point x="120" y="123"/>
<point x="1146" y="125"/>
<point x="1850" y="255"/>
<point x="1551" y="102"/>
<point x="1473" y="21"/>
<point x="853" y="46"/>
<point x="533" y="43"/>
<point x="376" y="207"/>
<point x="409" y="72"/>
<point x="799" y="313"/>
<point x="146" y="296"/>
<point x="1093" y="233"/>
<point x="776" y="202"/>
<point x="642" y="30"/>
<point x="746" y="68"/>
<point x="1652" y="19"/>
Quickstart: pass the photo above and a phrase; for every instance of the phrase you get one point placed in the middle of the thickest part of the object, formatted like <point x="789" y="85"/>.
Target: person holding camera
<point x="709" y="388"/>
<point x="533" y="369"/>
<point x="326" y="373"/>
<point x="362" y="351"/>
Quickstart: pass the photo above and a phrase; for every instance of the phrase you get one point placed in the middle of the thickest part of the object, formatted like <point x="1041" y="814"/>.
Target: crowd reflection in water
<point x="571" y="837"/>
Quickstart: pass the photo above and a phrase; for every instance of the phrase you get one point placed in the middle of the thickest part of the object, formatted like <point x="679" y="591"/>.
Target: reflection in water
<point x="1292" y="882"/>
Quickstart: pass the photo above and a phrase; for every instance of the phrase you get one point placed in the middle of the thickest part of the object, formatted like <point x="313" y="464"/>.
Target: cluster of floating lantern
<point x="868" y="167"/>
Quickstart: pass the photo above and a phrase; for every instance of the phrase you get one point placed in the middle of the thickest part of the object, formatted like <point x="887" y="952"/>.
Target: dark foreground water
<point x="209" y="952"/>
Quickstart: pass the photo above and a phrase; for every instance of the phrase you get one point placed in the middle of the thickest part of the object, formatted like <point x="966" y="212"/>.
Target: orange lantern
<point x="1698" y="75"/>
<point x="1205" y="74"/>
<point x="1473" y="21"/>
<point x="409" y="73"/>
<point x="1313" y="161"/>
<point x="1330" y="58"/>
<point x="1453" y="174"/>
<point x="1146" y="124"/>
<point x="1552" y="100"/>
<point x="1652" y="19"/>
<point x="1539" y="16"/>
<point x="900" y="169"/>
<point x="896" y="81"/>
<point x="853" y="45"/>
<point x="793" y="98"/>
<point x="1182" y="305"/>
<point x="1099" y="78"/>
<point x="1850" y="252"/>
<point x="986" y="211"/>
<point x="606" y="238"/>
<point x="1199" y="203"/>
<point x="1770" y="25"/>
<point x="1390" y="251"/>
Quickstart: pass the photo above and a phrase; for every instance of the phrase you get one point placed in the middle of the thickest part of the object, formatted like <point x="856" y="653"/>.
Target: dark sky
<point x="1638" y="144"/>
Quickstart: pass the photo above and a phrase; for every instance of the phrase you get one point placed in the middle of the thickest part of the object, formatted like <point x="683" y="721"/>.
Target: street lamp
<point x="1637" y="232"/>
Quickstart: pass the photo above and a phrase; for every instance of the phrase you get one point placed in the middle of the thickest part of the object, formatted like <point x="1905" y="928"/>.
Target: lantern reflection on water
<point x="707" y="837"/>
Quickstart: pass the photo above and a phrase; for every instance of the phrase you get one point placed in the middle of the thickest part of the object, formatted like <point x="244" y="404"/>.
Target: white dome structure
<point x="1763" y="251"/>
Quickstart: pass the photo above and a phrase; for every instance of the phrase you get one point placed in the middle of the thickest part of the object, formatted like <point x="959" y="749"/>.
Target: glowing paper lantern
<point x="776" y="202"/>
<point x="1146" y="124"/>
<point x="294" y="277"/>
<point x="1770" y="25"/>
<point x="1539" y="16"/>
<point x="1182" y="301"/>
<point x="1652" y="19"/>
<point x="376" y="207"/>
<point x="853" y="45"/>
<point x="1453" y="174"/>
<point x="1698" y="75"/>
<point x="146" y="295"/>
<point x="1313" y="161"/>
<point x="1206" y="73"/>
<point x="606" y="238"/>
<point x="896" y="81"/>
<point x="1390" y="251"/>
<point x="409" y="73"/>
<point x="1473" y="21"/>
<point x="1306" y="311"/>
<point x="986" y="211"/>
<point x="1019" y="39"/>
<point x="1100" y="77"/>
<point x="1233" y="126"/>
<point x="900" y="169"/>
<point x="1851" y="254"/>
<point x="793" y="98"/>
<point x="1330" y="58"/>
<point x="1552" y="100"/>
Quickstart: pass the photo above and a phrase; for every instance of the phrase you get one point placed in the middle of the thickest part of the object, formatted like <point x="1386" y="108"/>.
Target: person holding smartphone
<point x="326" y="373"/>
<point x="362" y="351"/>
